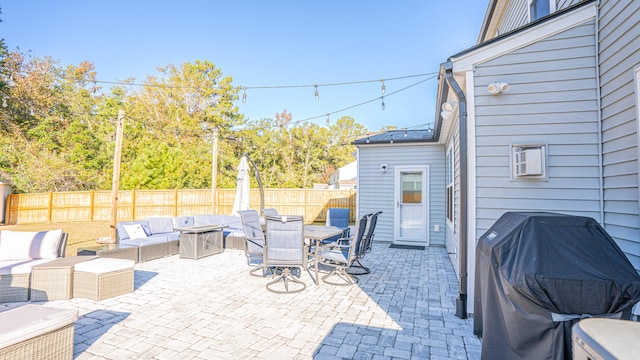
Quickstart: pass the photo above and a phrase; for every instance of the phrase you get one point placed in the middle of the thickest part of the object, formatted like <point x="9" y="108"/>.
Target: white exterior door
<point x="412" y="199"/>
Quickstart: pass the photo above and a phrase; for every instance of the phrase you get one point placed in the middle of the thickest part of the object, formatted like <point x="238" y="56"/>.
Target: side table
<point x="201" y="241"/>
<point x="116" y="251"/>
<point x="54" y="280"/>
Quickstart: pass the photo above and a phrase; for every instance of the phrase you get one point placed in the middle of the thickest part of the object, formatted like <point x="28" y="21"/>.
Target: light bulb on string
<point x="405" y="132"/>
<point x="383" y="87"/>
<point x="244" y="94"/>
<point x="328" y="120"/>
<point x="317" y="94"/>
<point x="391" y="141"/>
<point x="383" y="107"/>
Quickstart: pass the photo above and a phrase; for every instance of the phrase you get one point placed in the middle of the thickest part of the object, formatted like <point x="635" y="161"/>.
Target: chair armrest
<point x="335" y="245"/>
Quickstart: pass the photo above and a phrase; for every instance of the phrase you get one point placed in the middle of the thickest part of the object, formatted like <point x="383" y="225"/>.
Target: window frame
<point x="532" y="6"/>
<point x="450" y="189"/>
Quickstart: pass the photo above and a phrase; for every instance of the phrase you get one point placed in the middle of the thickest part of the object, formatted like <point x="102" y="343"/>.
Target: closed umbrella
<point x="242" y="188"/>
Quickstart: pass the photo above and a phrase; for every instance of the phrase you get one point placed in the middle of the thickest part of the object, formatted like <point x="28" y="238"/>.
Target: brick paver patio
<point x="212" y="308"/>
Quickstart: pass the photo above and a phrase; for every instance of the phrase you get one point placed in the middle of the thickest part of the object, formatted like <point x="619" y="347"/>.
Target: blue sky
<point x="265" y="43"/>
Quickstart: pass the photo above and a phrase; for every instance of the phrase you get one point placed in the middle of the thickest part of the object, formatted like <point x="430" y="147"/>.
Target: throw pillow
<point x="136" y="231"/>
<point x="16" y="245"/>
<point x="45" y="244"/>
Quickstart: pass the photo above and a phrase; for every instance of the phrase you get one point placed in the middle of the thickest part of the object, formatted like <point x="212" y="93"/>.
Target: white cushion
<point x="16" y="245"/>
<point x="29" y="321"/>
<point x="135" y="231"/>
<point x="104" y="265"/>
<point x="27" y="245"/>
<point x="45" y="244"/>
<point x="17" y="267"/>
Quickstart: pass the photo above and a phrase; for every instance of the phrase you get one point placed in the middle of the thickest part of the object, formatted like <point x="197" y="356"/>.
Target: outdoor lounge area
<point x="213" y="308"/>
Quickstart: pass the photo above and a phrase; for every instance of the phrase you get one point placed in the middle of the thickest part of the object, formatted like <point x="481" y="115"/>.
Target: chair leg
<point x="286" y="278"/>
<point x="347" y="279"/>
<point x="353" y="269"/>
<point x="252" y="272"/>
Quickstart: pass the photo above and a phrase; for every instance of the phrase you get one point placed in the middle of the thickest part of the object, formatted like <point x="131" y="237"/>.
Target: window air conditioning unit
<point x="528" y="161"/>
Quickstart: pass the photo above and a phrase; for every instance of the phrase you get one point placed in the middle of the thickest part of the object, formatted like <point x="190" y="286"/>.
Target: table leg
<point x="315" y="261"/>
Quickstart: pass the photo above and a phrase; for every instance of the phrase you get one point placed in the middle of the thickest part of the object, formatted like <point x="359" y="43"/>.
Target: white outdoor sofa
<point x="19" y="252"/>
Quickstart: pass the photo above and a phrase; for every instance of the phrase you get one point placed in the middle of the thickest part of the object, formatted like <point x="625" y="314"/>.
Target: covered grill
<point x="537" y="274"/>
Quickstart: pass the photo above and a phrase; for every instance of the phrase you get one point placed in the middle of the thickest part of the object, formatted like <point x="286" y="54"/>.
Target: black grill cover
<point x="532" y="266"/>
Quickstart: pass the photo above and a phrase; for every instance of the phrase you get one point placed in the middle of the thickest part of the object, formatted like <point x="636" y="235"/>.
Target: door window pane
<point x="412" y="188"/>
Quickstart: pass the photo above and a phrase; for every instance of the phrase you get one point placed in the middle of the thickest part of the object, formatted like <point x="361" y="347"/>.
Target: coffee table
<point x="201" y="241"/>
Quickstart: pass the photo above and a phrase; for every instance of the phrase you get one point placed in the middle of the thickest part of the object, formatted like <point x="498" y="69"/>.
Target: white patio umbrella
<point x="242" y="187"/>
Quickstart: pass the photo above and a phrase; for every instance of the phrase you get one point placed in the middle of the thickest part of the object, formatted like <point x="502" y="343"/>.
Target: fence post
<point x="91" y="204"/>
<point x="133" y="204"/>
<point x="50" y="209"/>
<point x="175" y="201"/>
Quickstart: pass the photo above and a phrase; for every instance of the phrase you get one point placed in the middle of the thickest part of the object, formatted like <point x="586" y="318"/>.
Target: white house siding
<point x="376" y="189"/>
<point x="552" y="101"/>
<point x="619" y="56"/>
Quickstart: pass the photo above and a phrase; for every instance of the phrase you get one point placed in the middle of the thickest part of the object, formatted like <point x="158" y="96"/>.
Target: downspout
<point x="461" y="301"/>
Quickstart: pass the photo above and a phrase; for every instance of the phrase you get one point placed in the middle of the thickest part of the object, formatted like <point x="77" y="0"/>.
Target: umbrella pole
<point x="255" y="168"/>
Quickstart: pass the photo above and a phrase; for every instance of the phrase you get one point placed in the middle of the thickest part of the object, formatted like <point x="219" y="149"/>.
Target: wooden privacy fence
<point x="89" y="206"/>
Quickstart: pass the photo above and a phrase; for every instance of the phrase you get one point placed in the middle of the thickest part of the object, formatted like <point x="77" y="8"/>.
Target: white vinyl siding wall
<point x="619" y="57"/>
<point x="552" y="100"/>
<point x="376" y="189"/>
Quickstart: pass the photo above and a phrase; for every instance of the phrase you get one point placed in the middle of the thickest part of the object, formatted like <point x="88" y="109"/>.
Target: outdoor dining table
<point x="317" y="233"/>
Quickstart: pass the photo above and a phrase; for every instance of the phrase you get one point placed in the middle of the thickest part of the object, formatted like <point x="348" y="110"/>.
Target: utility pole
<point x="116" y="175"/>
<point x="214" y="169"/>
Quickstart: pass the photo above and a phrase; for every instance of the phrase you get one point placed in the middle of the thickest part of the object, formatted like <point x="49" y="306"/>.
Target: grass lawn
<point x="80" y="234"/>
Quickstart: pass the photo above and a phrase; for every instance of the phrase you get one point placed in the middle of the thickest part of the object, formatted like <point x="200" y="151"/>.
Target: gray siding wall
<point x="619" y="57"/>
<point x="552" y="100"/>
<point x="517" y="14"/>
<point x="376" y="189"/>
<point x="452" y="236"/>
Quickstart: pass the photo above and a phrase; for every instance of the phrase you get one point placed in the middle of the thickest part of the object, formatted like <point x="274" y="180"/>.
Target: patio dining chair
<point x="284" y="251"/>
<point x="269" y="212"/>
<point x="338" y="217"/>
<point x="341" y="254"/>
<point x="254" y="240"/>
<point x="357" y="268"/>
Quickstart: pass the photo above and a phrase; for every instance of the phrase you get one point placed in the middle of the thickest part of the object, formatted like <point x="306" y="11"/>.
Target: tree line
<point x="58" y="126"/>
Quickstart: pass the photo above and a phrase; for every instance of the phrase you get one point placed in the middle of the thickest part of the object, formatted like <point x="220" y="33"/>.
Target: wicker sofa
<point x="19" y="252"/>
<point x="157" y="237"/>
<point x="37" y="332"/>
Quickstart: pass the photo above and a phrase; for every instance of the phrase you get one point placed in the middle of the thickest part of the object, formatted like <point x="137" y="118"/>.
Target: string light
<point x="328" y="121"/>
<point x="391" y="141"/>
<point x="382" y="102"/>
<point x="317" y="95"/>
<point x="383" y="87"/>
<point x="405" y="132"/>
<point x="244" y="94"/>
